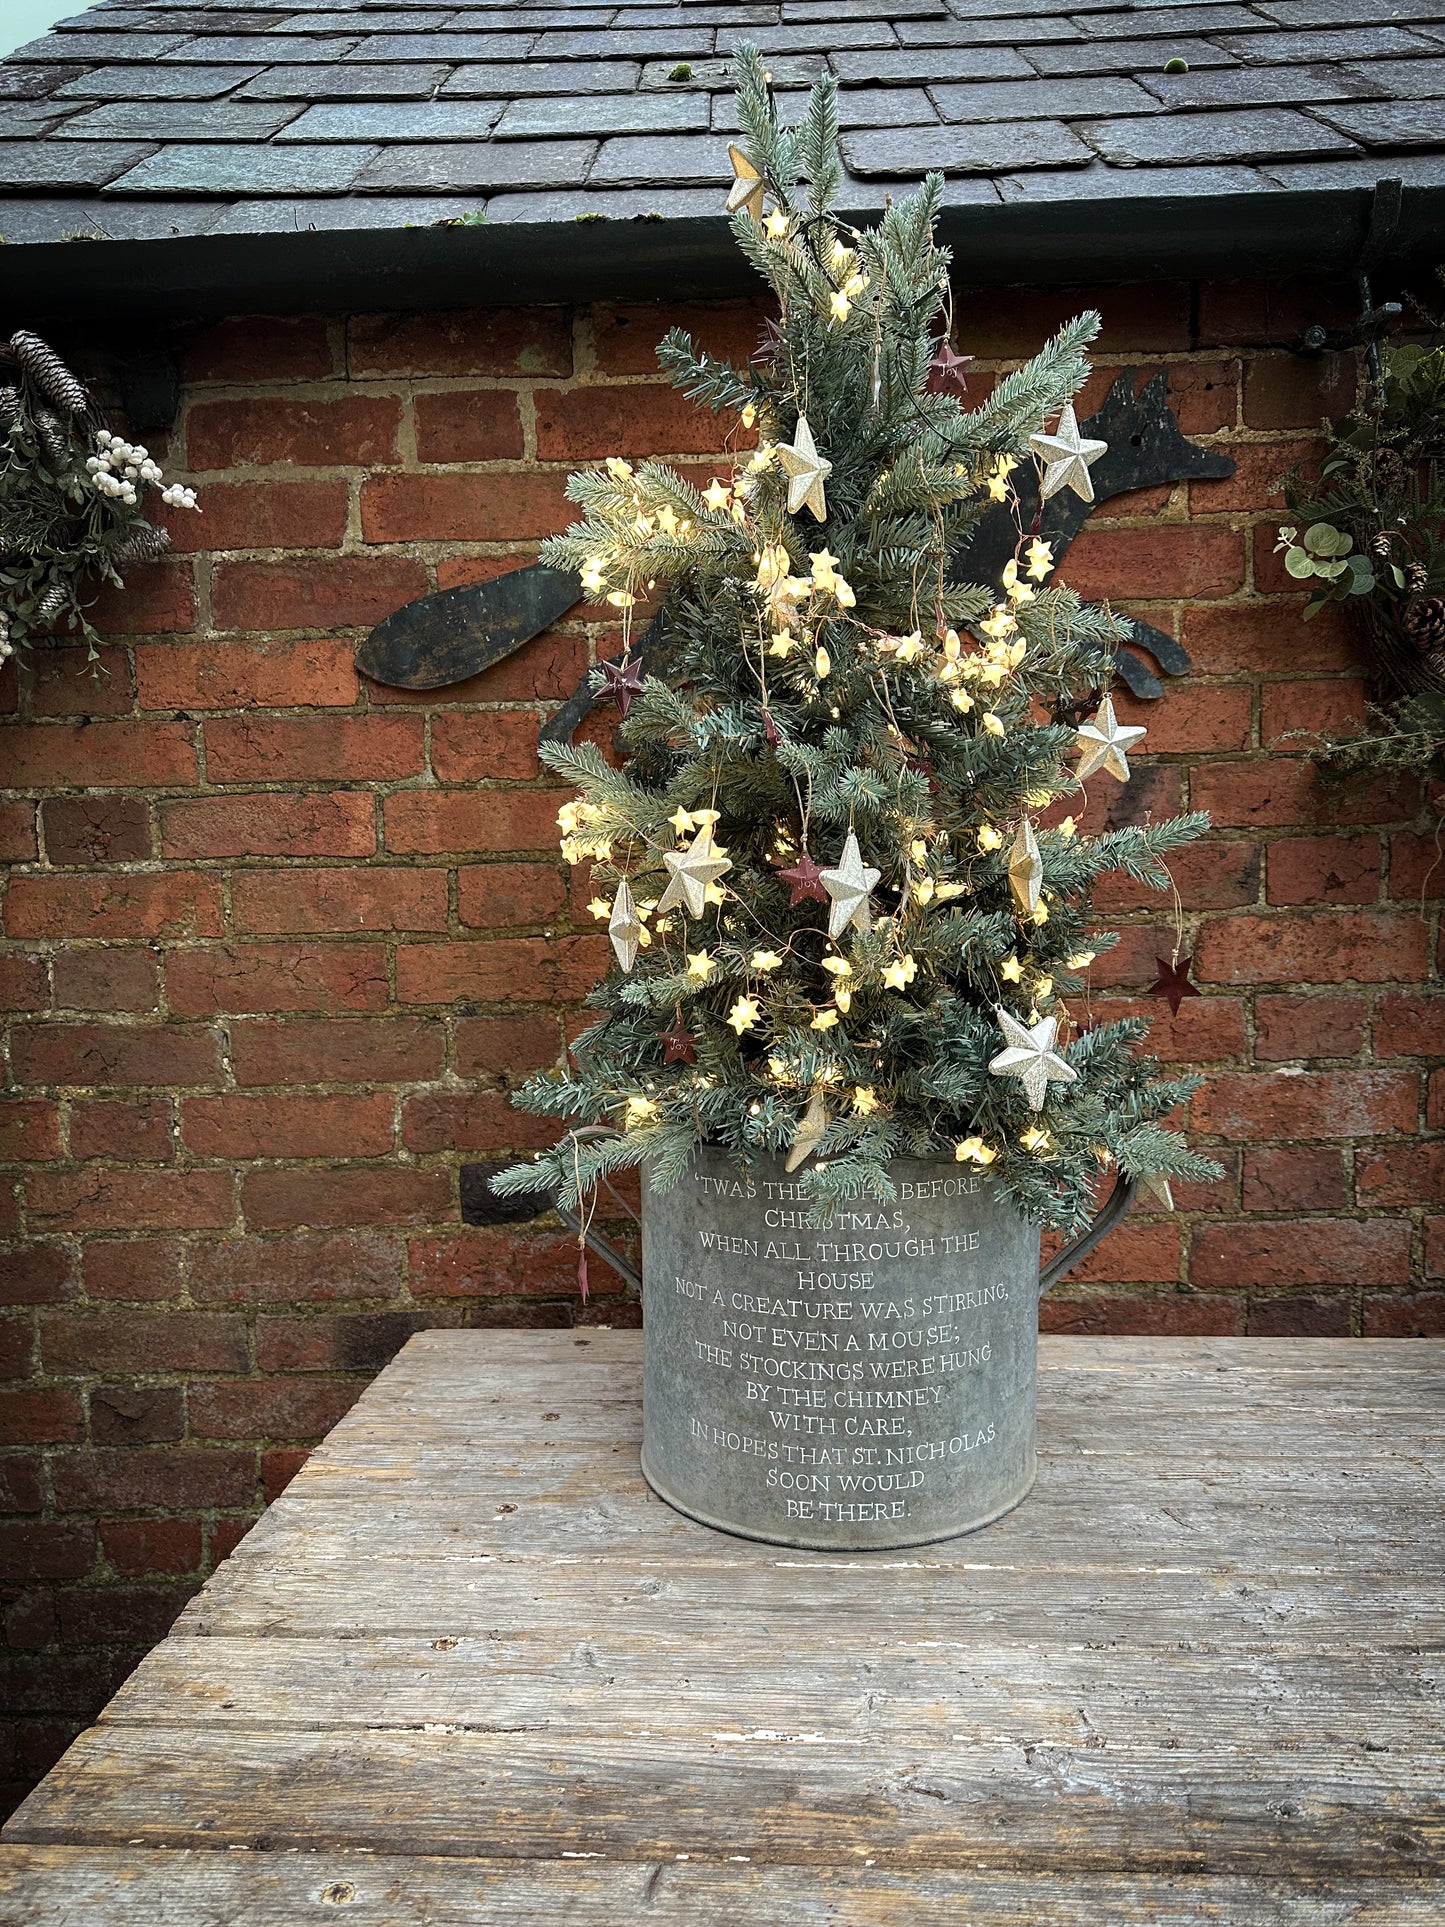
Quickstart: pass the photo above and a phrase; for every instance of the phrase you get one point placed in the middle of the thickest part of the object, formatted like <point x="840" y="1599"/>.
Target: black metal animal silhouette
<point x="445" y="638"/>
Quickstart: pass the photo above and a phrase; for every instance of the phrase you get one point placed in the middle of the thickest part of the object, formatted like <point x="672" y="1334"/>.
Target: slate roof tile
<point x="462" y="166"/>
<point x="239" y="168"/>
<point x="40" y="219"/>
<point x="27" y="83"/>
<point x="1345" y="43"/>
<point x="1262" y="86"/>
<point x="900" y="65"/>
<point x="1174" y="20"/>
<point x="857" y="107"/>
<point x="522" y="80"/>
<point x="1042" y="99"/>
<point x="1388" y="124"/>
<point x="443" y="46"/>
<point x="987" y="28"/>
<point x="603" y="114"/>
<point x="395" y="82"/>
<point x="909" y="151"/>
<point x="179" y="120"/>
<point x="788" y="70"/>
<point x="243" y="50"/>
<point x="343" y="212"/>
<point x="97" y="46"/>
<point x="152" y="83"/>
<point x="55" y="164"/>
<point x="679" y="43"/>
<point x="1087" y="184"/>
<point x="1403" y="79"/>
<point x="1251" y="134"/>
<point x="1124" y="56"/>
<point x="419" y="120"/>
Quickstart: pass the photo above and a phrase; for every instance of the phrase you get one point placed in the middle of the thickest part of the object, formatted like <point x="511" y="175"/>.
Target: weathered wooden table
<point x="469" y="1670"/>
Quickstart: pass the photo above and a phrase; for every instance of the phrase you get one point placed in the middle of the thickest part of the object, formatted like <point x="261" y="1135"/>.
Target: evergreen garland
<point x="837" y="678"/>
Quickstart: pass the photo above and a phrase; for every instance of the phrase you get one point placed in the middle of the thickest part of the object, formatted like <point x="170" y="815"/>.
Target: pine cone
<point x="1380" y="544"/>
<point x="143" y="546"/>
<point x="52" y="604"/>
<point x="1416" y="577"/>
<point x="1424" y="623"/>
<point x="52" y="436"/>
<point x="49" y="372"/>
<point x="9" y="407"/>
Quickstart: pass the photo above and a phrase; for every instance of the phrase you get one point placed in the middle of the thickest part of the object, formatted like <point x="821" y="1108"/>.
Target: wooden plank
<point x="1002" y="1802"/>
<point x="63" y="1886"/>
<point x="854" y="1682"/>
<point x="1235" y="1612"/>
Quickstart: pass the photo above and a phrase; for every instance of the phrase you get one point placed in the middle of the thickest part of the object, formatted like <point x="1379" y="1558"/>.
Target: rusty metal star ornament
<point x="1025" y="870"/>
<point x="679" y="1045"/>
<point x="747" y="188"/>
<point x="622" y="683"/>
<point x="806" y="470"/>
<point x="1173" y="982"/>
<point x="803" y="882"/>
<point x="691" y="871"/>
<point x="812" y="1129"/>
<point x="1104" y="742"/>
<point x="1030" y="1056"/>
<point x="849" y="886"/>
<point x="1067" y="457"/>
<point x="947" y="367"/>
<point x="624" y="926"/>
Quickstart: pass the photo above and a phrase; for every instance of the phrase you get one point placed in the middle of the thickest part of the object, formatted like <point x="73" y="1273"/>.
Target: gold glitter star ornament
<point x="1030" y="1057"/>
<point x="812" y="1129"/>
<point x="1104" y="742"/>
<point x="691" y="871"/>
<point x="625" y="927"/>
<point x="806" y="470"/>
<point x="1025" y="870"/>
<point x="747" y="188"/>
<point x="849" y="887"/>
<point x="1067" y="457"/>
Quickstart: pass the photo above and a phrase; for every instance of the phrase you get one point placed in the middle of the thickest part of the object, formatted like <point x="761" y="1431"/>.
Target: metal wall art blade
<point x="447" y="637"/>
<point x="1146" y="446"/>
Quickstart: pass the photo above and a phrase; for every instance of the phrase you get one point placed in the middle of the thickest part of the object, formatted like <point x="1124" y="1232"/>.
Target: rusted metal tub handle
<point x="603" y="1247"/>
<point x="1113" y="1209"/>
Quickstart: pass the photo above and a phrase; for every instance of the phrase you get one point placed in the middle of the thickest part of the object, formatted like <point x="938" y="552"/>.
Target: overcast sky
<point x="22" y="20"/>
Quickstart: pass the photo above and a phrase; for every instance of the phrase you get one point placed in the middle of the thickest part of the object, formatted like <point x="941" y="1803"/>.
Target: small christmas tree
<point x="840" y="933"/>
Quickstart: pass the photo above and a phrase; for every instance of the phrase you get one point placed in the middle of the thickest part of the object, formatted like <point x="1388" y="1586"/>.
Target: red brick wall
<point x="276" y="941"/>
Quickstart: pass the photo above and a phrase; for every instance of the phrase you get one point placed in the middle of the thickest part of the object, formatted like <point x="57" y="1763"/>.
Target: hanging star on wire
<point x="692" y="870"/>
<point x="747" y="188"/>
<point x="770" y="343"/>
<point x="812" y="1129"/>
<point x="679" y="1046"/>
<point x="1030" y="1057"/>
<point x="1025" y="870"/>
<point x="622" y="682"/>
<point x="803" y="878"/>
<point x="1067" y="457"/>
<point x="807" y="471"/>
<point x="1173" y="982"/>
<point x="1104" y="741"/>
<point x="849" y="887"/>
<point x="625" y="926"/>
<point x="947" y="367"/>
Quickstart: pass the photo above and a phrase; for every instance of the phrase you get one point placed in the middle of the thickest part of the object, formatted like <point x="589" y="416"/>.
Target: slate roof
<point x="171" y="120"/>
